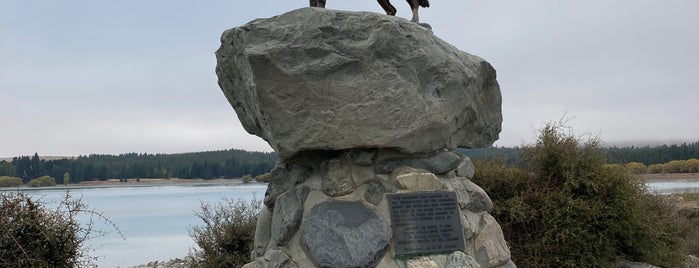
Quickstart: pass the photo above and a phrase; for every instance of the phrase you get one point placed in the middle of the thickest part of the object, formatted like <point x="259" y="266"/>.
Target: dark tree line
<point x="507" y="154"/>
<point x="237" y="163"/>
<point x="654" y="155"/>
<point x="647" y="155"/>
<point x="204" y="165"/>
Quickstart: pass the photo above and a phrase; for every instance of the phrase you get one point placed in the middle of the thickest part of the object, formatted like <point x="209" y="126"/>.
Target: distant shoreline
<point x="236" y="182"/>
<point x="668" y="176"/>
<point x="114" y="183"/>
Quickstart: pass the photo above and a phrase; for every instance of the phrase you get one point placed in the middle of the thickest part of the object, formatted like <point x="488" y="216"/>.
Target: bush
<point x="636" y="168"/>
<point x="66" y="178"/>
<point x="227" y="236"/>
<point x="266" y="177"/>
<point x="655" y="168"/>
<point x="34" y="236"/>
<point x="690" y="219"/>
<point x="6" y="181"/>
<point x="42" y="181"/>
<point x="562" y="206"/>
<point x="246" y="179"/>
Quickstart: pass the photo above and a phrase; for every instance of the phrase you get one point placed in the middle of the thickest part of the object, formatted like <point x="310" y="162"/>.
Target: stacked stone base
<point x="329" y="209"/>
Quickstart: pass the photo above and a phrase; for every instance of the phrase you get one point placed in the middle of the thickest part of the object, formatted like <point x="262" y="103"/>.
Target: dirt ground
<point x="668" y="176"/>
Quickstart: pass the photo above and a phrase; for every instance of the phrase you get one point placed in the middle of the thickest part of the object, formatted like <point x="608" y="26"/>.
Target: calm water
<point x="673" y="187"/>
<point x="154" y="219"/>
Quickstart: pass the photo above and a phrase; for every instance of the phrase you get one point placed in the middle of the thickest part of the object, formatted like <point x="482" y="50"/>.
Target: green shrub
<point x="562" y="206"/>
<point x="34" y="236"/>
<point x="636" y="168"/>
<point x="690" y="227"/>
<point x="655" y="168"/>
<point x="6" y="181"/>
<point x="227" y="236"/>
<point x="668" y="233"/>
<point x="66" y="178"/>
<point x="266" y="177"/>
<point x="42" y="181"/>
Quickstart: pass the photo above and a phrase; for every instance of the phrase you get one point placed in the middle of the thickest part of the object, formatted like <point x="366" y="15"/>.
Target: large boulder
<point x="320" y="79"/>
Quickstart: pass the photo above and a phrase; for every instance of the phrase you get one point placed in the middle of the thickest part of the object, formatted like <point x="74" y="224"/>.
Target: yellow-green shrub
<point x="655" y="168"/>
<point x="636" y="168"/>
<point x="6" y="181"/>
<point x="266" y="177"/>
<point x="42" y="181"/>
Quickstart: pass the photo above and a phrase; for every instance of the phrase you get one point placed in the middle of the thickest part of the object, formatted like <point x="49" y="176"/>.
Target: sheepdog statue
<point x="386" y="5"/>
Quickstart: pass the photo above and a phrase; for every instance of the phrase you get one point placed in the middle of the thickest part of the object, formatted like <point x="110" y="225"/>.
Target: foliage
<point x="237" y="163"/>
<point x="654" y="155"/>
<point x="66" y="178"/>
<point x="266" y="177"/>
<point x="42" y="182"/>
<point x="204" y="165"/>
<point x="681" y="166"/>
<point x="688" y="218"/>
<point x="655" y="168"/>
<point x="633" y="167"/>
<point x="501" y="154"/>
<point x="246" y="179"/>
<point x="227" y="236"/>
<point x="674" y="166"/>
<point x="35" y="236"/>
<point x="7" y="181"/>
<point x="636" y="168"/>
<point x="6" y="169"/>
<point x="681" y="220"/>
<point x="562" y="206"/>
<point x="648" y="156"/>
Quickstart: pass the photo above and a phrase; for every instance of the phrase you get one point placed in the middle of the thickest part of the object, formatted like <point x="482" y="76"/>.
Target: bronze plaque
<point x="425" y="223"/>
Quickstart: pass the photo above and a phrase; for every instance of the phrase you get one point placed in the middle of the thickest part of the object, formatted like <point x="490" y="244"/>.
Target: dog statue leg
<point x="317" y="3"/>
<point x="414" y="7"/>
<point x="386" y="5"/>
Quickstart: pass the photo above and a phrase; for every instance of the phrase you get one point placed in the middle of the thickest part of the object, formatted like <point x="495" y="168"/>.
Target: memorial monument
<point x="365" y="111"/>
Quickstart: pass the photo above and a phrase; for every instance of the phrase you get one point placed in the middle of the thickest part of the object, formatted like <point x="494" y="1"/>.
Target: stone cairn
<point x="362" y="109"/>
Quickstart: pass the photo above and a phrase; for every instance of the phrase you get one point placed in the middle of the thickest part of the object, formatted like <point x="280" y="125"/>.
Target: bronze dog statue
<point x="386" y="5"/>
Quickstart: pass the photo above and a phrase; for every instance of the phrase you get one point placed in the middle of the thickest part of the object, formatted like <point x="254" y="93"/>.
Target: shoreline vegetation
<point x="138" y="182"/>
<point x="653" y="177"/>
<point x="116" y="183"/>
<point x="650" y="177"/>
<point x="234" y="163"/>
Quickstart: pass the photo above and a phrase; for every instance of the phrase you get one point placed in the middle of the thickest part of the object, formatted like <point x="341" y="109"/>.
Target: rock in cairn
<point x="361" y="107"/>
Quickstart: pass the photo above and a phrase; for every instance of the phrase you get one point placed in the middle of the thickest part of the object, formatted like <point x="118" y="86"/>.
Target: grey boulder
<point x="344" y="234"/>
<point x="320" y="79"/>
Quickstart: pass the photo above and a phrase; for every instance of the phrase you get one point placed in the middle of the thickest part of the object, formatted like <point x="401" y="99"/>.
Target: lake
<point x="674" y="187"/>
<point x="154" y="219"/>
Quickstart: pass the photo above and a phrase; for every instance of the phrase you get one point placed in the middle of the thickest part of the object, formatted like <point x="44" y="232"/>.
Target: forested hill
<point x="237" y="163"/>
<point x="205" y="165"/>
<point x="647" y="155"/>
<point x="655" y="155"/>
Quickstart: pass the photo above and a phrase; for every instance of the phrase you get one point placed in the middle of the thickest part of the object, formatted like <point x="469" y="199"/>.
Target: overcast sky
<point x="82" y="76"/>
